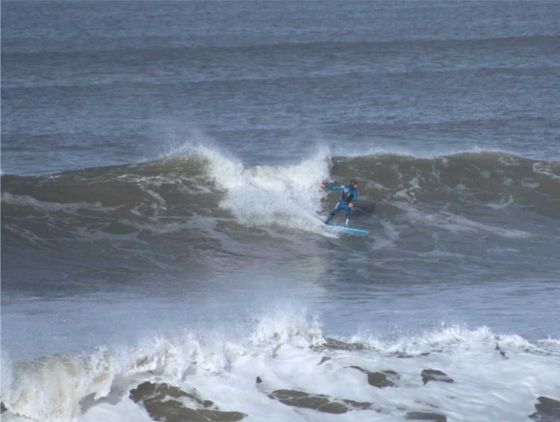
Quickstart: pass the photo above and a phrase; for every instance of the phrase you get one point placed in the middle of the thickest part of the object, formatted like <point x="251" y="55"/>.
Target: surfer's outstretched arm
<point x="332" y="186"/>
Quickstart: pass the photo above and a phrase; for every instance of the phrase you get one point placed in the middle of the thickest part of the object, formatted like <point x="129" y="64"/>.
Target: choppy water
<point x="162" y="231"/>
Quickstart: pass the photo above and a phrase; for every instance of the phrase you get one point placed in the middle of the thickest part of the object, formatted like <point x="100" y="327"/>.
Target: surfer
<point x="349" y="196"/>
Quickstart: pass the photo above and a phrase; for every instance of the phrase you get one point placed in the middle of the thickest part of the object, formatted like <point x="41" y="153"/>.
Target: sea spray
<point x="288" y="196"/>
<point x="450" y="371"/>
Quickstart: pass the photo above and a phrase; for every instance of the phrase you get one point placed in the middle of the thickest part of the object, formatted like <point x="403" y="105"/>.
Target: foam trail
<point x="456" y="223"/>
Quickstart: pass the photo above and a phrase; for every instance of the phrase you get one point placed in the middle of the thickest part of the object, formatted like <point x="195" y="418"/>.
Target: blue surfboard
<point x="348" y="230"/>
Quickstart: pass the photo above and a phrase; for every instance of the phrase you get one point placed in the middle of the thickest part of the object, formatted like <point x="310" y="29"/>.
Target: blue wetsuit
<point x="349" y="195"/>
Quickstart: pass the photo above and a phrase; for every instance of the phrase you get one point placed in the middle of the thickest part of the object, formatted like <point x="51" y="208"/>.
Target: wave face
<point x="166" y="196"/>
<point x="206" y="211"/>
<point x="286" y="368"/>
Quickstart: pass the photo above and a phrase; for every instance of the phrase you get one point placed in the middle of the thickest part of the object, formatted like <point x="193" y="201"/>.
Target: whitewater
<point x="285" y="369"/>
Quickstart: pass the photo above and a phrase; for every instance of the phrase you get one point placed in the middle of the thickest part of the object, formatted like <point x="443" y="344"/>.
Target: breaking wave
<point x="177" y="193"/>
<point x="287" y="369"/>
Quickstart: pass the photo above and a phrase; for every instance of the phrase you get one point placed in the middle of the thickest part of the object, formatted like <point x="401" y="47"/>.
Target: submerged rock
<point x="3" y="407"/>
<point x="381" y="379"/>
<point x="159" y="401"/>
<point x="150" y="391"/>
<point x="548" y="410"/>
<point x="364" y="405"/>
<point x="404" y="355"/>
<point x="435" y="375"/>
<point x="426" y="416"/>
<point x="500" y="351"/>
<point x="334" y="344"/>
<point x="319" y="402"/>
<point x="324" y="359"/>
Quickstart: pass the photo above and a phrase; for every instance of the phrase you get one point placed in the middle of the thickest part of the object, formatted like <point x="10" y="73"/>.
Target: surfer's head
<point x="353" y="183"/>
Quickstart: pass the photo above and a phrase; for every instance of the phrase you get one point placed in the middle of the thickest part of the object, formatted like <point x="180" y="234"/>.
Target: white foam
<point x="496" y="377"/>
<point x="466" y="223"/>
<point x="548" y="169"/>
<point x="457" y="223"/>
<point x="288" y="196"/>
<point x="51" y="388"/>
<point x="71" y="207"/>
<point x="442" y="152"/>
<point x="124" y="411"/>
<point x="501" y="205"/>
<point x="389" y="236"/>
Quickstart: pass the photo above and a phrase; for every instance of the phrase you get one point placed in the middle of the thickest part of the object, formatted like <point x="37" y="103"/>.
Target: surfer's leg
<point x="348" y="210"/>
<point x="331" y="216"/>
<point x="333" y="213"/>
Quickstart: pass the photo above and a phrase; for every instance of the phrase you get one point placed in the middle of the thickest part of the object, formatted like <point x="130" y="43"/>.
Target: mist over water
<point x="163" y="247"/>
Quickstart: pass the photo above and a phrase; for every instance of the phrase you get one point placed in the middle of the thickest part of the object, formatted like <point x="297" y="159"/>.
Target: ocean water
<point x="163" y="250"/>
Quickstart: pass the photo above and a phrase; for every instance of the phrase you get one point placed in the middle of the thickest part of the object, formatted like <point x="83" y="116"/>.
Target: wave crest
<point x="205" y="189"/>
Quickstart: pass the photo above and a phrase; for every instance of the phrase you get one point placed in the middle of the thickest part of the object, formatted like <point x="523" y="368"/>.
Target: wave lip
<point x="288" y="196"/>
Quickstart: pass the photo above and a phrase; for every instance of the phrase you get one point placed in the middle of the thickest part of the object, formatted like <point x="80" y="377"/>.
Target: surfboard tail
<point x="349" y="230"/>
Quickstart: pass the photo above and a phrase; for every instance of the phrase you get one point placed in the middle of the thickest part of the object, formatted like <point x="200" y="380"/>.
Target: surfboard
<point x="348" y="230"/>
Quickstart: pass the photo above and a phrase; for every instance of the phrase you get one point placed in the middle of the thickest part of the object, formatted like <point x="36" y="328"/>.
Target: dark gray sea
<point x="164" y="256"/>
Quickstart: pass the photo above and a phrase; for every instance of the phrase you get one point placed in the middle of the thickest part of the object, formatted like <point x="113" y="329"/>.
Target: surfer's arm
<point x="332" y="186"/>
